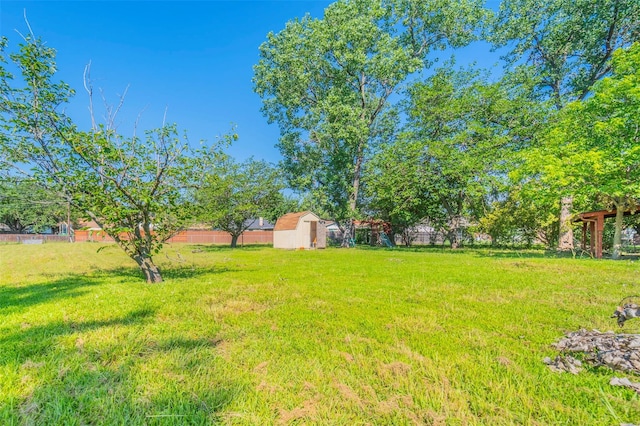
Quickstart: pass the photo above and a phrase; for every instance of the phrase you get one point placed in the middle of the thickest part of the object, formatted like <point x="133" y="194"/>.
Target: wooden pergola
<point x="595" y="222"/>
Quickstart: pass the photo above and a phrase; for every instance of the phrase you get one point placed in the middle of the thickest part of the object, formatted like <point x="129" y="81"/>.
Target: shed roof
<point x="289" y="221"/>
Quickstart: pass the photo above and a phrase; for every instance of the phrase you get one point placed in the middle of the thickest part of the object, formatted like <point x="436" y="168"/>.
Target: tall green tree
<point x="458" y="149"/>
<point x="25" y="206"/>
<point x="134" y="188"/>
<point x="234" y="193"/>
<point x="400" y="189"/>
<point x="600" y="136"/>
<point x="559" y="49"/>
<point x="328" y="83"/>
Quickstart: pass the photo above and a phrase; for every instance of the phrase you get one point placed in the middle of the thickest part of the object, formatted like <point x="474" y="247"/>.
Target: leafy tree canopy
<point x="453" y="157"/>
<point x="134" y="187"/>
<point x="328" y="84"/>
<point x="561" y="48"/>
<point x="557" y="50"/>
<point x="234" y="193"/>
<point x="26" y="206"/>
<point x="601" y="137"/>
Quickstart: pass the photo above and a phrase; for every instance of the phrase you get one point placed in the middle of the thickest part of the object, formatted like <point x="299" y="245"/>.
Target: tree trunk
<point x="150" y="270"/>
<point x="565" y="241"/>
<point x="617" y="236"/>
<point x="348" y="234"/>
<point x="234" y="240"/>
<point x="406" y="238"/>
<point x="355" y="187"/>
<point x="453" y="232"/>
<point x="453" y="239"/>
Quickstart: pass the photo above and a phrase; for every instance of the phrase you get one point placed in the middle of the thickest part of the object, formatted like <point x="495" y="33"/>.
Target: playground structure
<point x="374" y="232"/>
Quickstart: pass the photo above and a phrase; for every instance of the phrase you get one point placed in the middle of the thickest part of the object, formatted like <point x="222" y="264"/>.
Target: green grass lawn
<point x="343" y="337"/>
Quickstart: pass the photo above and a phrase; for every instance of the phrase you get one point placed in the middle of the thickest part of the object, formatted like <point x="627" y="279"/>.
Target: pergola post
<point x="592" y="243"/>
<point x="599" y="232"/>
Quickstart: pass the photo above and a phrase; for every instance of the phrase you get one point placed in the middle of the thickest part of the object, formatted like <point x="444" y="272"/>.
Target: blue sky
<point x="193" y="59"/>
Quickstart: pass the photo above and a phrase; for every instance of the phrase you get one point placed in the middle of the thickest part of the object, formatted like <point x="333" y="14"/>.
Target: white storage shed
<point x="301" y="230"/>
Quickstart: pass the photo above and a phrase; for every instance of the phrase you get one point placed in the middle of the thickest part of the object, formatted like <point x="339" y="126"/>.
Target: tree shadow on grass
<point x="107" y="382"/>
<point x="34" y="341"/>
<point x="215" y="248"/>
<point x="15" y="298"/>
<point x="173" y="273"/>
<point x="473" y="251"/>
<point x="377" y="248"/>
<point x="188" y="344"/>
<point x="631" y="257"/>
<point x="514" y="254"/>
<point x="547" y="254"/>
<point x="187" y="272"/>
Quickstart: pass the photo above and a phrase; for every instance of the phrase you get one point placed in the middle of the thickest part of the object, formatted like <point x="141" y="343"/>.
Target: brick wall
<point x="18" y="238"/>
<point x="191" y="236"/>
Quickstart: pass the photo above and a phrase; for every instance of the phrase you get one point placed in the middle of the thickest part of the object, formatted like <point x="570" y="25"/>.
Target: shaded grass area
<point x="261" y="336"/>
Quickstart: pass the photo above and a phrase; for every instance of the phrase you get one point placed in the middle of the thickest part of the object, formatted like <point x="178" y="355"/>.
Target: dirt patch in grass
<point x="308" y="410"/>
<point x="503" y="360"/>
<point x="264" y="386"/>
<point x="388" y="406"/>
<point x="28" y="364"/>
<point x="236" y="307"/>
<point x="261" y="368"/>
<point x="397" y="368"/>
<point x="29" y="408"/>
<point x="409" y="353"/>
<point x="349" y="394"/>
<point x="347" y="357"/>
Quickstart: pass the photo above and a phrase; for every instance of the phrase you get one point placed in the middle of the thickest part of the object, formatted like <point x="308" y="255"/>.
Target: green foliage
<point x="233" y="193"/>
<point x="454" y="155"/>
<point x="611" y="136"/>
<point x="401" y="188"/>
<point x="520" y="219"/>
<point x="281" y="205"/>
<point x="600" y="138"/>
<point x="559" y="48"/>
<point x="328" y="84"/>
<point x="25" y="206"/>
<point x="134" y="188"/>
<point x="557" y="51"/>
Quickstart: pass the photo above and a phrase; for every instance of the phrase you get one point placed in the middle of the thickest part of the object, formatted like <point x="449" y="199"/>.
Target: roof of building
<point x="587" y="216"/>
<point x="254" y="224"/>
<point x="289" y="221"/>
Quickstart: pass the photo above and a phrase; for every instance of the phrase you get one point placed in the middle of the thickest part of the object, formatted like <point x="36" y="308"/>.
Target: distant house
<point x="301" y="230"/>
<point x="259" y="224"/>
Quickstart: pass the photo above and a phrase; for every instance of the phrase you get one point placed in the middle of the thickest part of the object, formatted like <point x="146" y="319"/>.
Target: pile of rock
<point x="620" y="352"/>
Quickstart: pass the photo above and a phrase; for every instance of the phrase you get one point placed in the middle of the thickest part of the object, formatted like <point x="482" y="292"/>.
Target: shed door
<point x="314" y="234"/>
